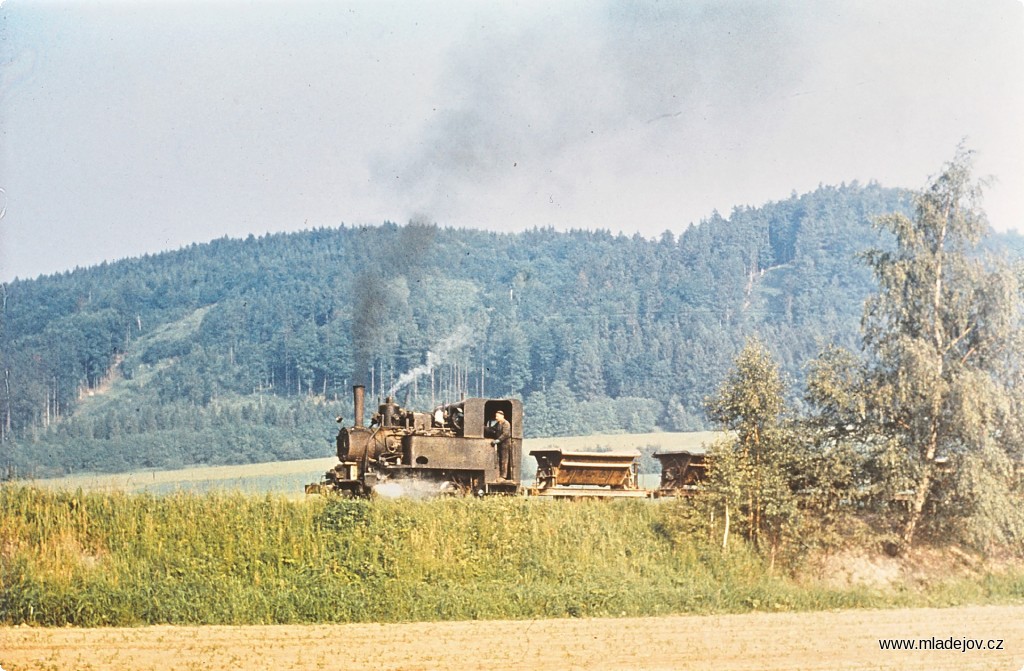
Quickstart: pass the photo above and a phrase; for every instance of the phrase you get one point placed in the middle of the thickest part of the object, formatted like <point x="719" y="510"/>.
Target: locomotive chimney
<point x="358" y="392"/>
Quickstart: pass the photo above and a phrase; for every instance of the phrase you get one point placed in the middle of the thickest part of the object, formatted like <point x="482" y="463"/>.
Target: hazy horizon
<point x="138" y="128"/>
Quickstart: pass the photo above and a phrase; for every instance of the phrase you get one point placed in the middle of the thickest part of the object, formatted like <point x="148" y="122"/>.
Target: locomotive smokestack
<point x="358" y="392"/>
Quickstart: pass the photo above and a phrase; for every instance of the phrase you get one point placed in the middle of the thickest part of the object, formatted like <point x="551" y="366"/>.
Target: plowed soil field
<point x="828" y="640"/>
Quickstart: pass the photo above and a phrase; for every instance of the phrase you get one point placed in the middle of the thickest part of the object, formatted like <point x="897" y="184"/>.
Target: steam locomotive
<point x="453" y="450"/>
<point x="450" y="450"/>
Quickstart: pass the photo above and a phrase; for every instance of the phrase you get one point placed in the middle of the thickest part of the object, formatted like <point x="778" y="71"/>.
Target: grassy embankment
<point x="128" y="559"/>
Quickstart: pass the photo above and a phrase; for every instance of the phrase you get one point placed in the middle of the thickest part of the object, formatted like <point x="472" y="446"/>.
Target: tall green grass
<point x="128" y="559"/>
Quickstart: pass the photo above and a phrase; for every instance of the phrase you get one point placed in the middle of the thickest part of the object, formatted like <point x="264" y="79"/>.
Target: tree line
<point x="595" y="331"/>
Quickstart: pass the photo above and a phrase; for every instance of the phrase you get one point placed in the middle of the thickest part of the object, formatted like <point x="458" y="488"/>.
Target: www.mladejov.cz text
<point x="951" y="643"/>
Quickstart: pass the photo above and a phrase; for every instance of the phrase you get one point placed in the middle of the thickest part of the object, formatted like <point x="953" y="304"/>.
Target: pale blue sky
<point x="130" y="128"/>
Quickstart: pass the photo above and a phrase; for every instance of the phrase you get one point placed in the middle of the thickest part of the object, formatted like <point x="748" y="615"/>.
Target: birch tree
<point x="752" y="471"/>
<point x="938" y="336"/>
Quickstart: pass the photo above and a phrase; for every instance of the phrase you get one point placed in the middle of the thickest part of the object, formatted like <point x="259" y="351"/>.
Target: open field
<point x="289" y="477"/>
<point x="280" y="477"/>
<point x="809" y="641"/>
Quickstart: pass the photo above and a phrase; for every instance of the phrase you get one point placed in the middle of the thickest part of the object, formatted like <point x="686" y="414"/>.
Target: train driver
<point x="502" y="433"/>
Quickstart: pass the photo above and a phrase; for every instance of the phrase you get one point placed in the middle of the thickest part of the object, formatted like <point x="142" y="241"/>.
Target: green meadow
<point x="113" y="558"/>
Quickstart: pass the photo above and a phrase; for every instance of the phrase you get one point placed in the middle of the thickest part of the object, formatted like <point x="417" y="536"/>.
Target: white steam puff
<point x="438" y="354"/>
<point x="411" y="489"/>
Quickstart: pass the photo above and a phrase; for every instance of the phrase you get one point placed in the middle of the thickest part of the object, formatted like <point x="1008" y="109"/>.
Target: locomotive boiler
<point x="452" y="449"/>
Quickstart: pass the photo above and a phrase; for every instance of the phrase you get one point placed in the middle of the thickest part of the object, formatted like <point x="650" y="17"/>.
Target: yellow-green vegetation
<point x="287" y="478"/>
<point x="129" y="559"/>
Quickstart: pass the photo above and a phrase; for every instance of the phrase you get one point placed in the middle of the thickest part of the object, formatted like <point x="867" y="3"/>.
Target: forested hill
<point x="244" y="350"/>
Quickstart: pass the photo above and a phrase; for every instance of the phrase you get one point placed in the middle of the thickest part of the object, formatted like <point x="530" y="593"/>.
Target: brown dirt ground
<point x="824" y="640"/>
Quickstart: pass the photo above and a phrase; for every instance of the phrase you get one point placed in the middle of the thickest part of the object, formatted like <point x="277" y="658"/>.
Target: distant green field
<point x="288" y="478"/>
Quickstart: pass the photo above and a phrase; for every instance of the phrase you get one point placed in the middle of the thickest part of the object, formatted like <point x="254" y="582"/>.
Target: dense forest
<point x="245" y="350"/>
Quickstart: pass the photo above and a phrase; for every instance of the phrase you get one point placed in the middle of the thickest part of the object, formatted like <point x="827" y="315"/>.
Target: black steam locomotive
<point x="406" y="453"/>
